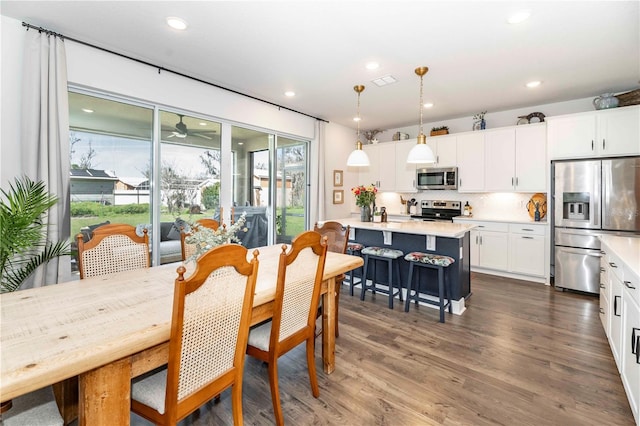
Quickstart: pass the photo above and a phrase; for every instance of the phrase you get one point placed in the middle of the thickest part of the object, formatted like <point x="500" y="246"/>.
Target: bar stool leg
<point x="363" y="282"/>
<point x="399" y="279"/>
<point x="441" y="292"/>
<point x="390" y="274"/>
<point x="409" y="288"/>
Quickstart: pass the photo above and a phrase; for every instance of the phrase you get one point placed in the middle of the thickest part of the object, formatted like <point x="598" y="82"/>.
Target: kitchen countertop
<point x="626" y="248"/>
<point x="501" y="219"/>
<point x="439" y="229"/>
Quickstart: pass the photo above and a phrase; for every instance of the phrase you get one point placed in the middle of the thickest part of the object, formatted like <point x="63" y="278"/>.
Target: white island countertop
<point x="626" y="248"/>
<point x="439" y="229"/>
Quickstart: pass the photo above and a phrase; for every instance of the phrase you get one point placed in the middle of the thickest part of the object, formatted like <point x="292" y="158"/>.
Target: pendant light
<point x="421" y="153"/>
<point x="358" y="158"/>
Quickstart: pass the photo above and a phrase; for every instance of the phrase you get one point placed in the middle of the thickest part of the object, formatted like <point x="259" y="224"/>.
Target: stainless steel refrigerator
<point x="591" y="198"/>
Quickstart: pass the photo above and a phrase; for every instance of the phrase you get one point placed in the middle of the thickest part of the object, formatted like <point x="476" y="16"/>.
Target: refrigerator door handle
<point x="597" y="196"/>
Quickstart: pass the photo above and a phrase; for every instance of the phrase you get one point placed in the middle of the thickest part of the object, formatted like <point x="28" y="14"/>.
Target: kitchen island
<point x="450" y="239"/>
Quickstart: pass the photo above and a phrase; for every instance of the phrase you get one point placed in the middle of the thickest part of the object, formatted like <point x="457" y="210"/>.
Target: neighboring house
<point x="93" y="185"/>
<point x="132" y="190"/>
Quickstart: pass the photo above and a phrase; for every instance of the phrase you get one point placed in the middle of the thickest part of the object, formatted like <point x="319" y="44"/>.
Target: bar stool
<point x="354" y="249"/>
<point x="388" y="255"/>
<point x="433" y="261"/>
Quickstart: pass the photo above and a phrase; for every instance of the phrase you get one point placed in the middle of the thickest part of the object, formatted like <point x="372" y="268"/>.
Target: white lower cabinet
<point x="527" y="251"/>
<point x="510" y="249"/>
<point x="622" y="319"/>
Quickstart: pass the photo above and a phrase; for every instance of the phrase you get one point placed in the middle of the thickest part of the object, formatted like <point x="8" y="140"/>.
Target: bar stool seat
<point x="390" y="256"/>
<point x="354" y="249"/>
<point x="432" y="261"/>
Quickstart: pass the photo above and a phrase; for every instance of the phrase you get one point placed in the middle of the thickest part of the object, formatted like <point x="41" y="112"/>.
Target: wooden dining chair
<point x="113" y="248"/>
<point x="337" y="241"/>
<point x="296" y="302"/>
<point x="189" y="249"/>
<point x="209" y="328"/>
<point x="35" y="408"/>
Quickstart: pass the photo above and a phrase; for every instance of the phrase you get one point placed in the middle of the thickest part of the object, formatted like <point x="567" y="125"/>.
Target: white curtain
<point x="44" y="140"/>
<point x="322" y="199"/>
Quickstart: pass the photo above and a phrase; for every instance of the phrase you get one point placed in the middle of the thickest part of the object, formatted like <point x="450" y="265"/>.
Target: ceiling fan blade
<point x="202" y="136"/>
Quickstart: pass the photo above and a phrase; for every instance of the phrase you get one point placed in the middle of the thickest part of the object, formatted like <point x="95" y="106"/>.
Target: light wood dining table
<point x="108" y="329"/>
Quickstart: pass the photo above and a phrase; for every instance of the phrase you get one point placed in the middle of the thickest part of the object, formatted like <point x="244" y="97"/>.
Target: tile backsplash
<point x="503" y="205"/>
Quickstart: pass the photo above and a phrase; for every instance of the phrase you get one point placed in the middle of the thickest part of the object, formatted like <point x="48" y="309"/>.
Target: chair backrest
<point x="298" y="287"/>
<point x="113" y="248"/>
<point x="210" y="326"/>
<point x="189" y="249"/>
<point x="337" y="235"/>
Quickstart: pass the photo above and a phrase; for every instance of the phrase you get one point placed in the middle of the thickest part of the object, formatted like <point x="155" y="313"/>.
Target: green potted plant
<point x="23" y="239"/>
<point x="442" y="130"/>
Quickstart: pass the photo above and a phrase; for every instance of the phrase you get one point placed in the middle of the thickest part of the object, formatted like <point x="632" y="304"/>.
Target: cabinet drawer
<point x="491" y="226"/>
<point x="631" y="282"/>
<point x="516" y="228"/>
<point x="616" y="267"/>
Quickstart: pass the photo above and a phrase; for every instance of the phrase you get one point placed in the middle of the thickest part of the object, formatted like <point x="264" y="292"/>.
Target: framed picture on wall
<point x="338" y="196"/>
<point x="337" y="178"/>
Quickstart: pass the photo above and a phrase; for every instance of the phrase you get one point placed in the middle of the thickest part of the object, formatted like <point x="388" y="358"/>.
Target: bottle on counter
<point x="467" y="209"/>
<point x="383" y="214"/>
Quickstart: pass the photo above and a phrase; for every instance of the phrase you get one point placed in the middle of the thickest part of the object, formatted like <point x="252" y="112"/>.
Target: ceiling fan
<point x="180" y="131"/>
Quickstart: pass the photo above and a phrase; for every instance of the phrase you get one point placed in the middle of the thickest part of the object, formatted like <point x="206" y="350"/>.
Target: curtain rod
<point x="160" y="69"/>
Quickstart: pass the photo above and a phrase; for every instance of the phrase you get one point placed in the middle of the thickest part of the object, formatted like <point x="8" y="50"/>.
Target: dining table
<point x="108" y="329"/>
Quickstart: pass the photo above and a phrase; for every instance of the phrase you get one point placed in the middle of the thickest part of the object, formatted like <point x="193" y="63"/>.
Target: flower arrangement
<point x="371" y="134"/>
<point x="365" y="195"/>
<point x="204" y="239"/>
<point x="479" y="116"/>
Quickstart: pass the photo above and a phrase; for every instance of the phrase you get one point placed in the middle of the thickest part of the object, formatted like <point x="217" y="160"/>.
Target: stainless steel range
<point x="438" y="210"/>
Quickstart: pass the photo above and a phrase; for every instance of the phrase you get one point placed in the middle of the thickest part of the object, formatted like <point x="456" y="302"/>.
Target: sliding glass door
<point x="270" y="185"/>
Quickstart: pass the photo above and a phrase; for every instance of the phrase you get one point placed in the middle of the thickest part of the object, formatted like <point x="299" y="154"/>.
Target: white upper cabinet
<point x="405" y="172"/>
<point x="604" y="133"/>
<point x="500" y="165"/>
<point x="515" y="159"/>
<point x="444" y="149"/>
<point x="470" y="153"/>
<point x="531" y="158"/>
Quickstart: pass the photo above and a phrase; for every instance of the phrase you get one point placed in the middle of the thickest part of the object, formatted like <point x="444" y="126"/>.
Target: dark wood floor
<point x="522" y="354"/>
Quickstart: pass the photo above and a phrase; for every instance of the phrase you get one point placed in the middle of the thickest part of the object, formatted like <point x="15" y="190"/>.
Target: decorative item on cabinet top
<point x="398" y="136"/>
<point x="540" y="200"/>
<point x="604" y="101"/>
<point x="526" y="119"/>
<point x="437" y="131"/>
<point x="370" y="135"/>
<point x="629" y="98"/>
<point x="479" y="123"/>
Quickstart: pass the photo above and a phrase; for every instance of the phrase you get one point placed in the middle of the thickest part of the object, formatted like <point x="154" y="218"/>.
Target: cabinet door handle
<point x="604" y="144"/>
<point x="628" y="284"/>
<point x="634" y="340"/>
<point x="480" y="226"/>
<point x="481" y="240"/>
<point x="437" y="159"/>
<point x="613" y="265"/>
<point x="602" y="311"/>
<point x="516" y="180"/>
<point x="637" y="351"/>
<point x="615" y="305"/>
<point x="592" y="146"/>
<point x="603" y="252"/>
<point x="601" y="285"/>
<point x="460" y="182"/>
<point x="511" y="181"/>
<point x="527" y="229"/>
<point x="476" y="239"/>
<point x="527" y="238"/>
<point x="601" y="269"/>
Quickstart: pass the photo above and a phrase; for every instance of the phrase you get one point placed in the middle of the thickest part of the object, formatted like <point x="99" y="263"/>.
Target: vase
<point x="483" y="124"/>
<point x="365" y="214"/>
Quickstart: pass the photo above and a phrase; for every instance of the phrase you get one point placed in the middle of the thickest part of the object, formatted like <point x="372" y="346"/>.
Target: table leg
<point x="329" y="327"/>
<point x="66" y="393"/>
<point x="105" y="395"/>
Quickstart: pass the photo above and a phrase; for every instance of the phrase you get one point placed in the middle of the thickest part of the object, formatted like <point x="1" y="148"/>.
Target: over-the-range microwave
<point x="437" y="178"/>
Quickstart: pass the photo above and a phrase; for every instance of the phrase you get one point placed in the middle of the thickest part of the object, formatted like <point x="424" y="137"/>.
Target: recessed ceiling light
<point x="372" y="66"/>
<point x="533" y="84"/>
<point x="428" y="105"/>
<point x="356" y="119"/>
<point x="290" y="94"/>
<point x="202" y="123"/>
<point x="240" y="143"/>
<point x="176" y="23"/>
<point x="519" y="17"/>
<point x="87" y="110"/>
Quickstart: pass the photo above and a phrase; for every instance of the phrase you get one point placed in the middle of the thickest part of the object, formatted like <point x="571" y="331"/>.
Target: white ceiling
<point x="319" y="50"/>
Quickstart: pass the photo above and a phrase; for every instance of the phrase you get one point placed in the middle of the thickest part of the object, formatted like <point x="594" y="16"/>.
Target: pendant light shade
<point x="358" y="158"/>
<point x="421" y="153"/>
